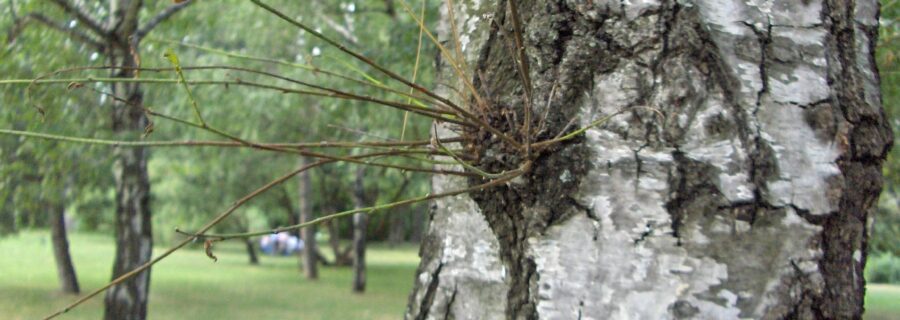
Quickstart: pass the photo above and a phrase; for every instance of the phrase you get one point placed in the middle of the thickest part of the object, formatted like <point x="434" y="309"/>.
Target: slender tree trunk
<point x="251" y="252"/>
<point x="341" y="257"/>
<point x="7" y="209"/>
<point x="396" y="229"/>
<point x="64" y="267"/>
<point x="308" y="255"/>
<point x="134" y="241"/>
<point x="737" y="183"/>
<point x="360" y="222"/>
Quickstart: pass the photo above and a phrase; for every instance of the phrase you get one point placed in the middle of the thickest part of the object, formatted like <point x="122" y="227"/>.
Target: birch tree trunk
<point x="134" y="238"/>
<point x="738" y="183"/>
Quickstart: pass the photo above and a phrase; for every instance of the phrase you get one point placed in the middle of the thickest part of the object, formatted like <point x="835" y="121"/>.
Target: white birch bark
<point x="737" y="185"/>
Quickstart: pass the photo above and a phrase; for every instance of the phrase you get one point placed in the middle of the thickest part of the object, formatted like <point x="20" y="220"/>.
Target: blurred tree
<point x="309" y="255"/>
<point x="38" y="177"/>
<point x="360" y="226"/>
<point x="885" y="236"/>
<point x="117" y="39"/>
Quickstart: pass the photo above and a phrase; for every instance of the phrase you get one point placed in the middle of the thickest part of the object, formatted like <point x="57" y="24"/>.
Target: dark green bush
<point x="883" y="268"/>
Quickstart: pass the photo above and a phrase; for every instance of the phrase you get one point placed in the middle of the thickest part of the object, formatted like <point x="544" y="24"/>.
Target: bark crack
<point x="447" y="314"/>
<point x="428" y="300"/>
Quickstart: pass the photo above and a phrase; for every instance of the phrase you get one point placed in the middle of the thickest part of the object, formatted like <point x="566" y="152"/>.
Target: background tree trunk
<point x="309" y="253"/>
<point x="134" y="238"/>
<point x="360" y="223"/>
<point x="738" y="183"/>
<point x="7" y="213"/>
<point x="341" y="257"/>
<point x="396" y="229"/>
<point x="64" y="267"/>
<point x="251" y="252"/>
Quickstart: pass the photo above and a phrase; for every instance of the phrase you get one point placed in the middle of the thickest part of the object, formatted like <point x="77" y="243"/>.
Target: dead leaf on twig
<point x="208" y="247"/>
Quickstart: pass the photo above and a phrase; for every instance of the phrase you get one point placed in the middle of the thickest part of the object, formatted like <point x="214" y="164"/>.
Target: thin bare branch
<point x="83" y="17"/>
<point x="163" y="15"/>
<point x="431" y="113"/>
<point x="199" y="234"/>
<point x="340" y="29"/>
<point x="562" y="136"/>
<point x="76" y="34"/>
<point x="188" y="240"/>
<point x="224" y="144"/>
<point x="415" y="100"/>
<point x="368" y="210"/>
<point x="523" y="68"/>
<point x="461" y="74"/>
<point x="390" y="5"/>
<point x="451" y="59"/>
<point x="462" y="112"/>
<point x="369" y="62"/>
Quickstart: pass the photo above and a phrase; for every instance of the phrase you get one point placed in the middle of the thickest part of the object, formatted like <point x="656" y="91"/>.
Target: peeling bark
<point x="737" y="184"/>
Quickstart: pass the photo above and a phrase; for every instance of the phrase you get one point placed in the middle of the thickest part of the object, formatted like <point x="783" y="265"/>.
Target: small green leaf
<point x="173" y="58"/>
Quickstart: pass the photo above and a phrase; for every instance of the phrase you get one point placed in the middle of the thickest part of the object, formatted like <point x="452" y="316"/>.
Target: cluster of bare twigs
<point x="420" y="101"/>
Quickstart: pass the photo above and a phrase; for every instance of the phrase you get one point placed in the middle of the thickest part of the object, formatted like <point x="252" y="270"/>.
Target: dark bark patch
<point x="565" y="52"/>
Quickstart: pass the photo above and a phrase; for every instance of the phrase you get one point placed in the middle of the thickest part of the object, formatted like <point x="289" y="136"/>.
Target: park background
<point x="190" y="185"/>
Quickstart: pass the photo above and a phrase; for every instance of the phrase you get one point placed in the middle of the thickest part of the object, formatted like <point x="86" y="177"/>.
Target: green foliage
<point x="885" y="237"/>
<point x="190" y="186"/>
<point x="37" y="177"/>
<point x="883" y="268"/>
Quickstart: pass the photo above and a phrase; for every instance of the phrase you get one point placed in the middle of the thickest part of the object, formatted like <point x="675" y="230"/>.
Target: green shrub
<point x="884" y="268"/>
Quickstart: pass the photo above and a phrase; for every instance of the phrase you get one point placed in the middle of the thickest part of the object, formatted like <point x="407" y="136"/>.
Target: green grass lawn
<point x="188" y="285"/>
<point x="882" y="302"/>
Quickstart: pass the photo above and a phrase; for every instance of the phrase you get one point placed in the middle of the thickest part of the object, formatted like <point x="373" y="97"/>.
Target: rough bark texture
<point x="134" y="240"/>
<point x="738" y="183"/>
<point x="360" y="224"/>
<point x="64" y="268"/>
<point x="309" y="255"/>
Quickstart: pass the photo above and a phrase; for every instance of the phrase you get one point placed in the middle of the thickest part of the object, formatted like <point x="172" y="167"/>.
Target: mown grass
<point x="188" y="285"/>
<point x="882" y="302"/>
